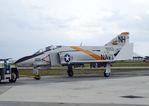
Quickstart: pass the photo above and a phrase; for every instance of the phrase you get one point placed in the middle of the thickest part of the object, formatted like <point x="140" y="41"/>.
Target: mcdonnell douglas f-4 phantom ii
<point x="118" y="48"/>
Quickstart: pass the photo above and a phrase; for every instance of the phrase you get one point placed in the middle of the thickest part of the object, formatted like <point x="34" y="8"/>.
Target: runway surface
<point x="121" y="89"/>
<point x="8" y="103"/>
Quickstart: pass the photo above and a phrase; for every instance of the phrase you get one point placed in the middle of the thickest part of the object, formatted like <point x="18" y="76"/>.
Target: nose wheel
<point x="36" y="73"/>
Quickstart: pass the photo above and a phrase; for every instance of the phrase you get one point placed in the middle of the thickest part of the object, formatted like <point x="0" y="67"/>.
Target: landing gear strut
<point x="70" y="71"/>
<point x="107" y="72"/>
<point x="36" y="73"/>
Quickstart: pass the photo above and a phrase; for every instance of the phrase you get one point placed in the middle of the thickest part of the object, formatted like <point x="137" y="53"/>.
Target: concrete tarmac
<point x="8" y="103"/>
<point x="121" y="89"/>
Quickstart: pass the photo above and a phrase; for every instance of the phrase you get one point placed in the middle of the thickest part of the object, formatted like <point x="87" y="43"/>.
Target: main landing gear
<point x="70" y="71"/>
<point x="107" y="72"/>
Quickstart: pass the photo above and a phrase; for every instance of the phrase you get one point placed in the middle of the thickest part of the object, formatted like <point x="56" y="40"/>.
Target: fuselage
<point x="70" y="54"/>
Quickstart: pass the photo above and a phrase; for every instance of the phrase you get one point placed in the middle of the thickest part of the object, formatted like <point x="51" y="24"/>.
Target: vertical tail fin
<point x="123" y="49"/>
<point x="121" y="39"/>
<point x="126" y="52"/>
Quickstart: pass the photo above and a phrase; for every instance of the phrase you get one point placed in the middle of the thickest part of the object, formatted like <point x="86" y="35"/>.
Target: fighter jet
<point x="119" y="48"/>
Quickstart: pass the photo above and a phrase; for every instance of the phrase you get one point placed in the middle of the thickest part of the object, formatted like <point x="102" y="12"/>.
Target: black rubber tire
<point x="70" y="71"/>
<point x="37" y="77"/>
<point x="0" y="78"/>
<point x="106" y="74"/>
<point x="13" y="77"/>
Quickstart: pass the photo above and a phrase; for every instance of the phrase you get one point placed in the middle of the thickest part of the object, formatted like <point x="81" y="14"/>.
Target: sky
<point x="29" y="25"/>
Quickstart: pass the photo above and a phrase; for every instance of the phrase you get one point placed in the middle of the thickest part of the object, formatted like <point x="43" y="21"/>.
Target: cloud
<point x="28" y="25"/>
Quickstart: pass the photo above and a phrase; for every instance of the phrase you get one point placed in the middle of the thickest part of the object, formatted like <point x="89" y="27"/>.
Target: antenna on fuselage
<point x="81" y="43"/>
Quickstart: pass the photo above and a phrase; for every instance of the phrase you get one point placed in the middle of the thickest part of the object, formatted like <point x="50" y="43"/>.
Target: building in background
<point x="146" y="59"/>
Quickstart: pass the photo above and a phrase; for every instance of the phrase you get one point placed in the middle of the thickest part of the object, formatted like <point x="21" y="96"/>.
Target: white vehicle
<point x="118" y="48"/>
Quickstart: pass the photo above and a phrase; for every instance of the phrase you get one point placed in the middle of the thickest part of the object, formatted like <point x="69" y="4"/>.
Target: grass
<point x="86" y="69"/>
<point x="130" y="63"/>
<point x="60" y="72"/>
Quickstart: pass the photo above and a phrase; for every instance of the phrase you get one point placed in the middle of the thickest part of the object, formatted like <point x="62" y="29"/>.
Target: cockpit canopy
<point x="48" y="48"/>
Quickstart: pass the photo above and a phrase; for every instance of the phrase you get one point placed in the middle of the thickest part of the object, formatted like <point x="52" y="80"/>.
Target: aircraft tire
<point x="107" y="74"/>
<point x="70" y="73"/>
<point x="0" y="78"/>
<point x="37" y="77"/>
